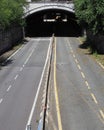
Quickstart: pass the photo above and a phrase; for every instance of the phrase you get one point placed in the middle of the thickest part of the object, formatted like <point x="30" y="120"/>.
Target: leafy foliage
<point x="11" y="11"/>
<point x="90" y="13"/>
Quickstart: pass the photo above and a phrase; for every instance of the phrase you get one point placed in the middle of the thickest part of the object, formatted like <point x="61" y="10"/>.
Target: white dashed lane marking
<point x="76" y="61"/>
<point x="1" y="100"/>
<point x="71" y="51"/>
<point x="94" y="98"/>
<point x="83" y="75"/>
<point x="101" y="113"/>
<point x="9" y="88"/>
<point x="87" y="84"/>
<point x="79" y="67"/>
<point x="100" y="65"/>
<point x="73" y="55"/>
<point x="16" y="77"/>
<point x="28" y="57"/>
<point x="21" y="69"/>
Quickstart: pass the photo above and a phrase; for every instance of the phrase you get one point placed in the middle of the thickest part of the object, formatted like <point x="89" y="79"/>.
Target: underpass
<point x="49" y="18"/>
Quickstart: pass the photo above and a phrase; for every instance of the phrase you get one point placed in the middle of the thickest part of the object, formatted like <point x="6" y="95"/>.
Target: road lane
<point x="76" y="99"/>
<point x="19" y="82"/>
<point x="78" y="104"/>
<point x="94" y="74"/>
<point x="13" y="65"/>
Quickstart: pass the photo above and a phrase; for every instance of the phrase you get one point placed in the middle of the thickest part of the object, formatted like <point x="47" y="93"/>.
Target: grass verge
<point x="95" y="55"/>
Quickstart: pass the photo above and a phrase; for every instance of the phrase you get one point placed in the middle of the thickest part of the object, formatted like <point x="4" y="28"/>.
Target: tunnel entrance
<point x="45" y="23"/>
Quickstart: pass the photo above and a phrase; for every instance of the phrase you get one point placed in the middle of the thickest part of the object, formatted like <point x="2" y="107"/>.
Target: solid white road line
<point x="39" y="86"/>
<point x="14" y="54"/>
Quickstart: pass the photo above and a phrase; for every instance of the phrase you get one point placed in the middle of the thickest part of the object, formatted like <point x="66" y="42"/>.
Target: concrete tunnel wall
<point x="35" y="27"/>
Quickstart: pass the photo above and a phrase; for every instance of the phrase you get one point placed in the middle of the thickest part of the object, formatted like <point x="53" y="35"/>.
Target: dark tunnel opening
<point x="45" y="23"/>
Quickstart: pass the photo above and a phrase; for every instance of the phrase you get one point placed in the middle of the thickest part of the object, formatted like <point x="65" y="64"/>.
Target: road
<point x="19" y="80"/>
<point x="76" y="88"/>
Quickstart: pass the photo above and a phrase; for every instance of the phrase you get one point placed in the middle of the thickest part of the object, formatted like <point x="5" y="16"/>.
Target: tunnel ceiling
<point x="47" y="22"/>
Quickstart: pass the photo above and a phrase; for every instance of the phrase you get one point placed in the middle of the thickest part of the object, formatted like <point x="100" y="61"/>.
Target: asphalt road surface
<point x="76" y="89"/>
<point x="19" y="81"/>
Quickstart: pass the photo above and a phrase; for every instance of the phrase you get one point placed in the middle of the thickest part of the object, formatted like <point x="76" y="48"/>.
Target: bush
<point x="90" y="14"/>
<point x="11" y="11"/>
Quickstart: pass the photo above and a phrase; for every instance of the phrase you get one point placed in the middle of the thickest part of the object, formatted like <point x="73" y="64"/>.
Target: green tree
<point x="90" y="13"/>
<point x="11" y="11"/>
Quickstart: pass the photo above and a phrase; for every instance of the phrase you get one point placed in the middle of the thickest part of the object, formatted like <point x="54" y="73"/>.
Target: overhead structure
<point x="37" y="7"/>
<point x="46" y="18"/>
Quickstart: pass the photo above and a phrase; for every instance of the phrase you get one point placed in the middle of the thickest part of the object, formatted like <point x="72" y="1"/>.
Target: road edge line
<point x="14" y="53"/>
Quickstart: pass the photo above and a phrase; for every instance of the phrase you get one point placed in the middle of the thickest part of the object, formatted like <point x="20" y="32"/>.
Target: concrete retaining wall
<point x="10" y="37"/>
